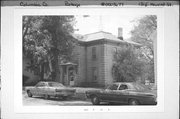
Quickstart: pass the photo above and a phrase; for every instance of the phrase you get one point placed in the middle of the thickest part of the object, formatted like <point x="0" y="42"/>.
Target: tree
<point x="145" y="33"/>
<point x="62" y="42"/>
<point x="32" y="44"/>
<point x="127" y="66"/>
<point x="47" y="41"/>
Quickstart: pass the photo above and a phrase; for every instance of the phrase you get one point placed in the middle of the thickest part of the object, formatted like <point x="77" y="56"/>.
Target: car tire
<point x="46" y="96"/>
<point x="95" y="100"/>
<point x="133" y="102"/>
<point x="29" y="94"/>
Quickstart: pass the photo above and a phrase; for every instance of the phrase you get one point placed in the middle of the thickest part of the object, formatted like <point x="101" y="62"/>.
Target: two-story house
<point x="95" y="59"/>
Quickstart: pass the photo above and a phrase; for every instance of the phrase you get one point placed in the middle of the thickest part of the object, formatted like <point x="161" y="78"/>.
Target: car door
<point x="122" y="93"/>
<point x="44" y="89"/>
<point x="35" y="89"/>
<point x="39" y="89"/>
<point x="109" y="93"/>
<point x="49" y="89"/>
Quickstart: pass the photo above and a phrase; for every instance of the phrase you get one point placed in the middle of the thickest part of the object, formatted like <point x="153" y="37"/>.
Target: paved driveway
<point x="54" y="101"/>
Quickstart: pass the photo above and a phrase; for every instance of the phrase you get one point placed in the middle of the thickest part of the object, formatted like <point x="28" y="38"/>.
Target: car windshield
<point x="40" y="84"/>
<point x="53" y="84"/>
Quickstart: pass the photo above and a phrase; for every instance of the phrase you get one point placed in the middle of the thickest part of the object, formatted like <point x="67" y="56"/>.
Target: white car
<point x="50" y="89"/>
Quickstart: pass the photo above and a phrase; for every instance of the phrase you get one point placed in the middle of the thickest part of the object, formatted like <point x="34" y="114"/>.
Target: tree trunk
<point x="56" y="71"/>
<point x="42" y="72"/>
<point x="50" y="64"/>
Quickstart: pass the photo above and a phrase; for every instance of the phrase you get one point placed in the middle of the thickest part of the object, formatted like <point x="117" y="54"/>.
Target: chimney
<point x="120" y="33"/>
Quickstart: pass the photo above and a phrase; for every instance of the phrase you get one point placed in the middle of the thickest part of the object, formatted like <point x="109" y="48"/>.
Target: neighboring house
<point x="95" y="59"/>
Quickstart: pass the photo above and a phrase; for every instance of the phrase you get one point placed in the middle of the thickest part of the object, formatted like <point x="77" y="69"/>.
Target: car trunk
<point x="66" y="90"/>
<point x="143" y="92"/>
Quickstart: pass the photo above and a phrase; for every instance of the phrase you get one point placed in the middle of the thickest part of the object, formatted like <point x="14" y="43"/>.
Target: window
<point x="94" y="53"/>
<point x="94" y="73"/>
<point x="115" y="50"/>
<point x="123" y="87"/>
<point x="113" y="87"/>
<point x="53" y="84"/>
<point x="40" y="84"/>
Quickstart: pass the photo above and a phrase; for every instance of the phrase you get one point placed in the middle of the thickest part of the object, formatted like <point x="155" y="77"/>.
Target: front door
<point x="71" y="76"/>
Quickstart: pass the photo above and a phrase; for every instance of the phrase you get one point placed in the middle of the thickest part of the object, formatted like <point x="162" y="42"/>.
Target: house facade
<point x="96" y="57"/>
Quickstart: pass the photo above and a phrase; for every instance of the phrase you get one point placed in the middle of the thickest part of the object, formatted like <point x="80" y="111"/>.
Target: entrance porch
<point x="68" y="73"/>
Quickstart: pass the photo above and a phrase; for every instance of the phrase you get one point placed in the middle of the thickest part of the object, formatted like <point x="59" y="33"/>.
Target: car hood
<point x="58" y="88"/>
<point x="131" y="92"/>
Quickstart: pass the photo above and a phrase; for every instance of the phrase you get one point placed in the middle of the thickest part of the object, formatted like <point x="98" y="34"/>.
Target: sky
<point x="107" y="23"/>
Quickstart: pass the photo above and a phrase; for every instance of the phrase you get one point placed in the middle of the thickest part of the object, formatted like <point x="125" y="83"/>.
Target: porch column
<point x="61" y="75"/>
<point x="67" y="75"/>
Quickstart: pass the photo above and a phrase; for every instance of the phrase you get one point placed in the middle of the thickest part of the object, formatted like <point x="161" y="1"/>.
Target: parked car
<point x="123" y="92"/>
<point x="50" y="89"/>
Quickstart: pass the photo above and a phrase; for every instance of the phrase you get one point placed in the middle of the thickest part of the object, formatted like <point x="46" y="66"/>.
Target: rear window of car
<point x="52" y="84"/>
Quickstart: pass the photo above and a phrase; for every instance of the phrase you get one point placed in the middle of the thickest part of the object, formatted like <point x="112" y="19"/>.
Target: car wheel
<point x="133" y="102"/>
<point x="29" y="94"/>
<point x="46" y="96"/>
<point x="95" y="100"/>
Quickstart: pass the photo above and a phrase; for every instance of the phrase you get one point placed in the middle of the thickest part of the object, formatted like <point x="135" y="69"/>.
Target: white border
<point x="18" y="13"/>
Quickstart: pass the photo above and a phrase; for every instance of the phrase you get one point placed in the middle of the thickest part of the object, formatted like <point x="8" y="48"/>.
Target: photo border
<point x="19" y="12"/>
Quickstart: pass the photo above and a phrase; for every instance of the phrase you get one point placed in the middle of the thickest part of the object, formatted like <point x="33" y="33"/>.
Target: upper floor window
<point x="94" y="53"/>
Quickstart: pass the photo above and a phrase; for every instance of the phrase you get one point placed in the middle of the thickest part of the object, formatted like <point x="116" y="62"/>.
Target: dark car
<point x="125" y="93"/>
<point x="50" y="89"/>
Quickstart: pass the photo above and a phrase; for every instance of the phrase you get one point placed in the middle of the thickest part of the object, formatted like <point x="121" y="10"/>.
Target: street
<point x="54" y="101"/>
